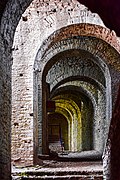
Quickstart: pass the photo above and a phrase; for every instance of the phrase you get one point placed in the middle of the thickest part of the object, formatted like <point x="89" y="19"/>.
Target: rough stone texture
<point x="75" y="66"/>
<point x="80" y="30"/>
<point x="31" y="15"/>
<point x="110" y="16"/>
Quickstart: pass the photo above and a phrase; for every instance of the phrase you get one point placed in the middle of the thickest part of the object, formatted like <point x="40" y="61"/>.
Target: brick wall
<point x="9" y="22"/>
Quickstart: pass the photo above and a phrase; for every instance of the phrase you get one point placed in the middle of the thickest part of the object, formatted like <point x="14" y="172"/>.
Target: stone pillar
<point x="44" y="118"/>
<point x="114" y="136"/>
<point x="5" y="111"/>
<point x="111" y="159"/>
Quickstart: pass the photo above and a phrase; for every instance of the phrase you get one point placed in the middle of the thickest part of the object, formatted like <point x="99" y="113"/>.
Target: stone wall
<point x="8" y="24"/>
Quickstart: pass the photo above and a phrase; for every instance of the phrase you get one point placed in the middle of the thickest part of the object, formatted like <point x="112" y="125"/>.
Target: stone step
<point x="72" y="177"/>
<point x="82" y="175"/>
<point x="62" y="173"/>
<point x="60" y="170"/>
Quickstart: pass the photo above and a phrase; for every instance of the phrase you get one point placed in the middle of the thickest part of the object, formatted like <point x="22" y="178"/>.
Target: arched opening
<point x="79" y="69"/>
<point x="79" y="114"/>
<point x="57" y="132"/>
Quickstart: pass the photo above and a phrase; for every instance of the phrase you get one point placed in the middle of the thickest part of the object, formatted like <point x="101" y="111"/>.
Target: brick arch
<point x="28" y="58"/>
<point x="85" y="94"/>
<point x="102" y="51"/>
<point x="75" y="30"/>
<point x="96" y="115"/>
<point x="10" y="20"/>
<point x="75" y="60"/>
<point x="80" y="78"/>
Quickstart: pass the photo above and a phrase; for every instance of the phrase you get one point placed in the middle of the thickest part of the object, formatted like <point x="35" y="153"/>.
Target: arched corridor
<point x="79" y="117"/>
<point x="79" y="82"/>
<point x="60" y="53"/>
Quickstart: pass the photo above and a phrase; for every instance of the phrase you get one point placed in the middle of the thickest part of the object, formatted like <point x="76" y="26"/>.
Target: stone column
<point x="5" y="110"/>
<point x="111" y="158"/>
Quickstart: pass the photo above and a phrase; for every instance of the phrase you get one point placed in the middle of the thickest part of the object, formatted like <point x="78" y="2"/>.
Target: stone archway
<point x="74" y="46"/>
<point x="69" y="46"/>
<point x="80" y="127"/>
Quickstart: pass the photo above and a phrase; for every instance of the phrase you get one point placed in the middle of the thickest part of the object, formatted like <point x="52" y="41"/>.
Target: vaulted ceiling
<point x="109" y="11"/>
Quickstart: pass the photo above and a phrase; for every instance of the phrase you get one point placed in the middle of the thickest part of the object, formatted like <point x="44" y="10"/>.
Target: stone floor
<point x="60" y="170"/>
